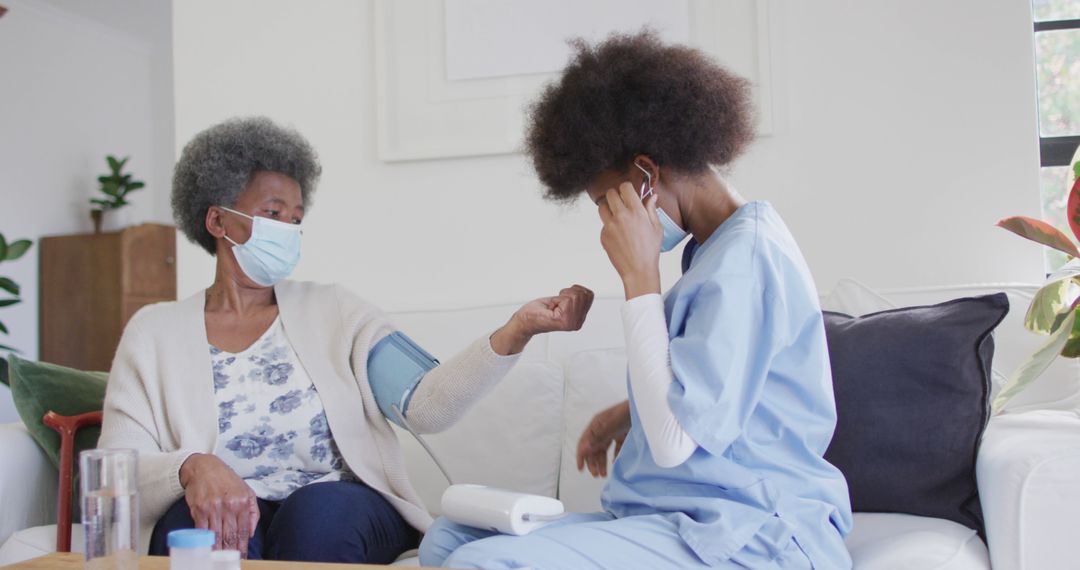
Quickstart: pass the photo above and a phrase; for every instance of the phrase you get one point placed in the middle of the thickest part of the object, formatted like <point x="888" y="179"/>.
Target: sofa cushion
<point x="27" y="482"/>
<point x="856" y="299"/>
<point x="887" y="541"/>
<point x="488" y="446"/>
<point x="39" y="387"/>
<point x="1028" y="469"/>
<point x="485" y="447"/>
<point x="38" y="541"/>
<point x="595" y="379"/>
<point x="912" y="396"/>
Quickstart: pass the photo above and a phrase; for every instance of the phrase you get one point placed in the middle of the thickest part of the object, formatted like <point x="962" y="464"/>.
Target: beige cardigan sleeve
<point x="129" y="423"/>
<point x="450" y="389"/>
<point x="445" y="393"/>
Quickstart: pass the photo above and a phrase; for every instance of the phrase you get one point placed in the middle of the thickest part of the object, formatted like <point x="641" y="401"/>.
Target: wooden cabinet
<point x="91" y="284"/>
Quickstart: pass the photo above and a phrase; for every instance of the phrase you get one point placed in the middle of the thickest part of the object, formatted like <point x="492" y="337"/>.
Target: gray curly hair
<point x="217" y="164"/>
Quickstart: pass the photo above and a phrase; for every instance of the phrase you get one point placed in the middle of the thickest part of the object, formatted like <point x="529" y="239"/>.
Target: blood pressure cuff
<point x="395" y="367"/>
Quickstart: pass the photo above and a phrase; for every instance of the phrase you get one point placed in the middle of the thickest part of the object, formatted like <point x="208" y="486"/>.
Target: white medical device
<point x="499" y="510"/>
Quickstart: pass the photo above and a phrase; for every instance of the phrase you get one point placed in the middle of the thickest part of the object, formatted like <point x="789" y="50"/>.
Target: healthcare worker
<point x="730" y="405"/>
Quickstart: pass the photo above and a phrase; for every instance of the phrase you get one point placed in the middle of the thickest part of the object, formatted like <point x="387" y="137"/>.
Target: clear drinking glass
<point x="110" y="508"/>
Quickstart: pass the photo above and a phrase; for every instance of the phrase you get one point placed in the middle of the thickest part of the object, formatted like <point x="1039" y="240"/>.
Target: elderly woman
<point x="259" y="406"/>
<point x="730" y="403"/>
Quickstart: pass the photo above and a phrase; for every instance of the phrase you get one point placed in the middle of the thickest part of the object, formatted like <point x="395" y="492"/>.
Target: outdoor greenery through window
<point x="1057" y="63"/>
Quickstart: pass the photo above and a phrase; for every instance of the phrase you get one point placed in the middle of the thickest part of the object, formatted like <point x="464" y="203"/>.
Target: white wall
<point x="910" y="130"/>
<point x="71" y="91"/>
<point x="905" y="129"/>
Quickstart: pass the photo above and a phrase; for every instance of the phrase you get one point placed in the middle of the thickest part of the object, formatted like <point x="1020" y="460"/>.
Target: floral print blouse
<point x="272" y="427"/>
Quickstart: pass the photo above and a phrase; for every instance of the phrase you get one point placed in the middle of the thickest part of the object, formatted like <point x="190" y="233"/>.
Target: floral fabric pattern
<point x="272" y="427"/>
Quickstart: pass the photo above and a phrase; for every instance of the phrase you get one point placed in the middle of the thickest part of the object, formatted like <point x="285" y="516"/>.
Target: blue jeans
<point x="341" y="521"/>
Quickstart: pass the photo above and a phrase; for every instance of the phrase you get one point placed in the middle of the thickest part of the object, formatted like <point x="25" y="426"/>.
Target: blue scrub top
<point x="753" y="388"/>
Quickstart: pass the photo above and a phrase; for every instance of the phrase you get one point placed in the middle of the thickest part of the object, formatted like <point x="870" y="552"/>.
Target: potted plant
<point x="116" y="186"/>
<point x="9" y="252"/>
<point x="1055" y="309"/>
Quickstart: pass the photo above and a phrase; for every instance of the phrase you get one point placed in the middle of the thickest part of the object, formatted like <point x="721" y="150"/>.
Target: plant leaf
<point x="122" y="163"/>
<point x="1054" y="299"/>
<point x="113" y="164"/>
<point x="1040" y="232"/>
<point x="9" y="302"/>
<point x="1072" y="345"/>
<point x="8" y="348"/>
<point x="3" y="248"/>
<point x="1072" y="209"/>
<point x="3" y="329"/>
<point x="135" y="186"/>
<point x="16" y="250"/>
<point x="1035" y="365"/>
<point x="8" y="285"/>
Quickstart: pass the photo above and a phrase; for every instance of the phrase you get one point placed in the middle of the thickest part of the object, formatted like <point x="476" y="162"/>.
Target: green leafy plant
<point x="116" y="185"/>
<point x="10" y="252"/>
<point x="1055" y="309"/>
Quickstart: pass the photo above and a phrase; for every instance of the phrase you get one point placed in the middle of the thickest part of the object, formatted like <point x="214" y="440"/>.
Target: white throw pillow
<point x="595" y="380"/>
<point x="509" y="439"/>
<point x="853" y="298"/>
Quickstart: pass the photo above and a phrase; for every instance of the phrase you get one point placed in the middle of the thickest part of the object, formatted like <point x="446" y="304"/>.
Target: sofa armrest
<point x="27" y="482"/>
<point x="1029" y="484"/>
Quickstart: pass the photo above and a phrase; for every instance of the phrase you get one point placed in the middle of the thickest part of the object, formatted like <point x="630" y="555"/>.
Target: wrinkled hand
<point x="607" y="427"/>
<point x="565" y="312"/>
<point x="632" y="236"/>
<point x="220" y="501"/>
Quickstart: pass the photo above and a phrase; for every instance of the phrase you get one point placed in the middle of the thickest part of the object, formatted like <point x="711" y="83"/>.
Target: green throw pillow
<point x="38" y="387"/>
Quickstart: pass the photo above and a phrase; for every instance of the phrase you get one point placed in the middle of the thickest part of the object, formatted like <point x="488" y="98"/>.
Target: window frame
<point x="1056" y="151"/>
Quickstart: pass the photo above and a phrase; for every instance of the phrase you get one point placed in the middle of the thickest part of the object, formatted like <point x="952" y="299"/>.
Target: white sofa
<point x="523" y="437"/>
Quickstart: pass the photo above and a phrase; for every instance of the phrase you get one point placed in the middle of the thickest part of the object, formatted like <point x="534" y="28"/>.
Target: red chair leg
<point x="67" y="427"/>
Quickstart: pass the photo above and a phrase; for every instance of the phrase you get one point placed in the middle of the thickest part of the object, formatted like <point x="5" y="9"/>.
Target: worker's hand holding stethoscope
<point x="632" y="236"/>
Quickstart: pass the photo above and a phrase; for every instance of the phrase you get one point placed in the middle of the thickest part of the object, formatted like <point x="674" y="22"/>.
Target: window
<point x="1057" y="63"/>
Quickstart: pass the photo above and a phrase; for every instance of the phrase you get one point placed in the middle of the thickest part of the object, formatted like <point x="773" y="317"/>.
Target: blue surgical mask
<point x="272" y="251"/>
<point x="673" y="234"/>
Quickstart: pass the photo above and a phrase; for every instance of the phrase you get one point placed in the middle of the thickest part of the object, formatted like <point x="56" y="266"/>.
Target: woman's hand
<point x="610" y="425"/>
<point x="632" y="236"/>
<point x="220" y="501"/>
<point x="565" y="312"/>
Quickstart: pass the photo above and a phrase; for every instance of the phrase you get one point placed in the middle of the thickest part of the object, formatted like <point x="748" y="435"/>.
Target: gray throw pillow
<point x="912" y="392"/>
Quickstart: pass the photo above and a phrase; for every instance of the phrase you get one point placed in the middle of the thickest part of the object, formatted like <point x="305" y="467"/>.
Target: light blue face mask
<point x="673" y="234"/>
<point x="272" y="251"/>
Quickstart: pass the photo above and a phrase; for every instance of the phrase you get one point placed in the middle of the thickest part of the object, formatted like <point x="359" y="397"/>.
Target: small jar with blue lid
<point x="189" y="549"/>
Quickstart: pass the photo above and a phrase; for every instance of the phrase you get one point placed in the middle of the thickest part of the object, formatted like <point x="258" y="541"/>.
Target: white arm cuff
<point x="651" y="377"/>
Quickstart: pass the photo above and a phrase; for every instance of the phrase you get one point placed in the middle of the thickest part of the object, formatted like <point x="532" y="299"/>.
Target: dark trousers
<point x="339" y="521"/>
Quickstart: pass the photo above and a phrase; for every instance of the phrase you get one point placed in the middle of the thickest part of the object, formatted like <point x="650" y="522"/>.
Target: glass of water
<point x="110" y="508"/>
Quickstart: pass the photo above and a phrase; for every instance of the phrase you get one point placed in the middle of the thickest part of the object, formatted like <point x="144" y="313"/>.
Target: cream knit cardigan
<point x="160" y="395"/>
